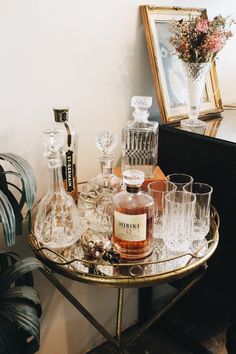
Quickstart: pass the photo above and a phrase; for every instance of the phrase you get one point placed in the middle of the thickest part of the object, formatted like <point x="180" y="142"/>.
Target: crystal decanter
<point x="95" y="199"/>
<point x="57" y="224"/>
<point x="140" y="139"/>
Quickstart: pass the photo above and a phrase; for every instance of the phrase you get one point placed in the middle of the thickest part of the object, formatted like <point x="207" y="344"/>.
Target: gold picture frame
<point x="166" y="67"/>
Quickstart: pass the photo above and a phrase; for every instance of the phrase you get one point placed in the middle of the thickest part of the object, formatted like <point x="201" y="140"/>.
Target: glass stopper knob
<point x="106" y="142"/>
<point x="54" y="143"/>
<point x="133" y="177"/>
<point x="142" y="102"/>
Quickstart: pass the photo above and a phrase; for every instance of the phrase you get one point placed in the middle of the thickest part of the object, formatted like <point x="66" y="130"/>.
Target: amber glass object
<point x="133" y="218"/>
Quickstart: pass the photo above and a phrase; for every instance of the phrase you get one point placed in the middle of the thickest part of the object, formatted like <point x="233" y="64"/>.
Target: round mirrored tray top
<point x="160" y="266"/>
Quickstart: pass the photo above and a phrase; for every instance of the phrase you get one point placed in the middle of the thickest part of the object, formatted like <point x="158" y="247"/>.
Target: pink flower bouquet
<point x="197" y="39"/>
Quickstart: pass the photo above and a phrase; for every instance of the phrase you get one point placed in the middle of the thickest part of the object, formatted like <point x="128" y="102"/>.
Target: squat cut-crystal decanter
<point x="57" y="224"/>
<point x="95" y="199"/>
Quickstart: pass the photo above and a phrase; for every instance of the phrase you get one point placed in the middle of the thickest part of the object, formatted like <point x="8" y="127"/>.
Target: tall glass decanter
<point x="69" y="161"/>
<point x="57" y="224"/>
<point x="95" y="199"/>
<point x="140" y="139"/>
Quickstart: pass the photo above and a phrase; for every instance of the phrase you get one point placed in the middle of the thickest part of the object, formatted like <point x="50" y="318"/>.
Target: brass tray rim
<point x="129" y="281"/>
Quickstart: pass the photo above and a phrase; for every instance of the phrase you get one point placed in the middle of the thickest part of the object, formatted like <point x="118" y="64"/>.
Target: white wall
<point x="91" y="56"/>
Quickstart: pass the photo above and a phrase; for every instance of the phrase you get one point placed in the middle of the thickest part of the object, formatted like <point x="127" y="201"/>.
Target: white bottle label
<point x="130" y="227"/>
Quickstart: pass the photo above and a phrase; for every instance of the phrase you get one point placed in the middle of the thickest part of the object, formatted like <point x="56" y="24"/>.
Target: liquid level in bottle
<point x="134" y="249"/>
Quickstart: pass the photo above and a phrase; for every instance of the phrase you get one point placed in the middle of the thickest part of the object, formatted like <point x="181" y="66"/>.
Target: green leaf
<point x="8" y="183"/>
<point x="3" y="179"/>
<point x="12" y="340"/>
<point x="21" y="267"/>
<point x="27" y="175"/>
<point x="25" y="293"/>
<point x="24" y="315"/>
<point x="15" y="206"/>
<point x="20" y="307"/>
<point x="9" y="258"/>
<point x="28" y="190"/>
<point x="8" y="219"/>
<point x="33" y="347"/>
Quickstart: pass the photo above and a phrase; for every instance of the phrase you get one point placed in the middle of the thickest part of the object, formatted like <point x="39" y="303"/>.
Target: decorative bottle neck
<point x="133" y="189"/>
<point x="106" y="166"/>
<point x="140" y="115"/>
<point x="55" y="179"/>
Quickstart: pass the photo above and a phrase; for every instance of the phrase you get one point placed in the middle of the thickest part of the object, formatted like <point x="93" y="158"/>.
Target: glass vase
<point x="195" y="74"/>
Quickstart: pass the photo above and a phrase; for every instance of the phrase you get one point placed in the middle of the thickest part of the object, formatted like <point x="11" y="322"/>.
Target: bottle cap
<point x="61" y="114"/>
<point x="133" y="177"/>
<point x="141" y="105"/>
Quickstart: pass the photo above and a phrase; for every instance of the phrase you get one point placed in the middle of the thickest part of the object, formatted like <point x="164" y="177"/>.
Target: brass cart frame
<point x="195" y="267"/>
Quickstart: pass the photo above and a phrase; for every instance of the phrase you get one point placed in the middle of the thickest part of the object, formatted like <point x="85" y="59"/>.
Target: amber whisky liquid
<point x="131" y="243"/>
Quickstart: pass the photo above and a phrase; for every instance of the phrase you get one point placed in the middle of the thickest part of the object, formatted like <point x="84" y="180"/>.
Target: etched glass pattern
<point x="196" y="74"/>
<point x="95" y="199"/>
<point x="57" y="225"/>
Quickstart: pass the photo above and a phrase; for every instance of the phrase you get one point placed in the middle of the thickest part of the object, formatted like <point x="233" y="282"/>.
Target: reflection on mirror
<point x="223" y="127"/>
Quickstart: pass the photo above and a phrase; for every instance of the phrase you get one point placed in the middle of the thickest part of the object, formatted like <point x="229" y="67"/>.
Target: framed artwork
<point x="167" y="70"/>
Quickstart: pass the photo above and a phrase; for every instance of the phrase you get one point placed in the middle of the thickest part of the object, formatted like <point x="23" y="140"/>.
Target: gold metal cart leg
<point x="120" y="301"/>
<point x="49" y="275"/>
<point x="196" y="277"/>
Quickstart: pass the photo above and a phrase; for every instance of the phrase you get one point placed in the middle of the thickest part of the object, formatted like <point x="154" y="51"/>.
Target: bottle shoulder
<point x="128" y="200"/>
<point x="101" y="184"/>
<point x="70" y="134"/>
<point x="109" y="180"/>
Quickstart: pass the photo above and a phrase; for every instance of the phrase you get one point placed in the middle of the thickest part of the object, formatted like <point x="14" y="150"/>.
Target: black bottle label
<point x="69" y="171"/>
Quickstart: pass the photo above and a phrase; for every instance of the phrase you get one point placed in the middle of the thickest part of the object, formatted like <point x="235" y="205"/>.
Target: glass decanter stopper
<point x="95" y="199"/>
<point x="57" y="224"/>
<point x="140" y="139"/>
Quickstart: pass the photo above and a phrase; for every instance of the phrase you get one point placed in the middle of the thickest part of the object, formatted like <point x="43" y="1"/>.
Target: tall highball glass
<point x="201" y="225"/>
<point x="180" y="180"/>
<point x="158" y="190"/>
<point x="179" y="215"/>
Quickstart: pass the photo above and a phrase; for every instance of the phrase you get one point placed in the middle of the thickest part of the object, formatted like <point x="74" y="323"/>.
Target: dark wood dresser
<point x="210" y="158"/>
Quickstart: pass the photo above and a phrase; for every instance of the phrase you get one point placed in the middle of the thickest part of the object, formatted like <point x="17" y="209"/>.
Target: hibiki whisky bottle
<point x="140" y="139"/>
<point x="69" y="165"/>
<point x="95" y="199"/>
<point x="57" y="224"/>
<point x="133" y="218"/>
